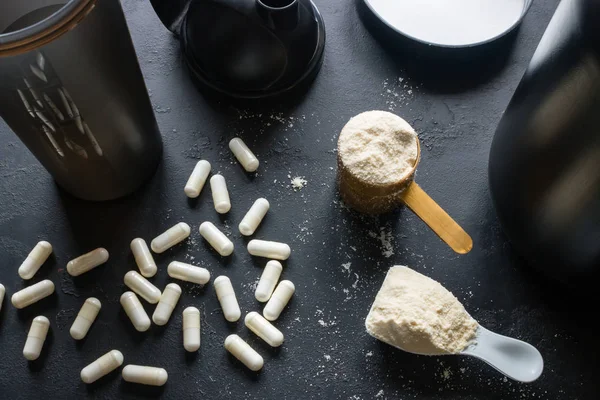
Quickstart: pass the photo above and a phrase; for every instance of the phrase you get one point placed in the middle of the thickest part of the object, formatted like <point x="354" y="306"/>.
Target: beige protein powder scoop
<point x="378" y="154"/>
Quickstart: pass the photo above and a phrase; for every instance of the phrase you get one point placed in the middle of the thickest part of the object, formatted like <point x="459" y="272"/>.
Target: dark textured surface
<point x="327" y="353"/>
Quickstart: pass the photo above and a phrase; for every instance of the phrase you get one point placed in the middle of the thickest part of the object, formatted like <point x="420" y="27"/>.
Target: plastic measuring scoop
<point x="433" y="215"/>
<point x="514" y="358"/>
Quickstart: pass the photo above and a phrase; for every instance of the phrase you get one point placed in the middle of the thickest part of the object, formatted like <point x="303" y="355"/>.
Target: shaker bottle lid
<point x="456" y="23"/>
<point x="248" y="48"/>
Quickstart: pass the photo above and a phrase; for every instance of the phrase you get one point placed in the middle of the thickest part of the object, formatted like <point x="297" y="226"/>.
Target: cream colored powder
<point x="378" y="147"/>
<point x="418" y="315"/>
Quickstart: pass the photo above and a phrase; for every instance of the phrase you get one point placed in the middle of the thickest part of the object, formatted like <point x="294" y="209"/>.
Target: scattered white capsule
<point x="36" y="338"/>
<point x="142" y="287"/>
<point x="35" y="259"/>
<point x="243" y="154"/>
<point x="143" y="375"/>
<point x="87" y="262"/>
<point x="254" y="217"/>
<point x="227" y="299"/>
<point x="264" y="329"/>
<point x="2" y="292"/>
<point x="102" y="366"/>
<point x="32" y="294"/>
<point x="216" y="238"/>
<point x="135" y="311"/>
<point x="188" y="273"/>
<point x="194" y="185"/>
<point x="273" y="250"/>
<point x="268" y="281"/>
<point x="167" y="303"/>
<point x="143" y="257"/>
<point x="86" y="317"/>
<point x="191" y="329"/>
<point x="171" y="237"/>
<point x="243" y="352"/>
<point x="281" y="296"/>
<point x="220" y="194"/>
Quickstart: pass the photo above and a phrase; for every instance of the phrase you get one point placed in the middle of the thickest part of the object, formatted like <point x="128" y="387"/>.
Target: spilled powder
<point x="418" y="315"/>
<point x="298" y="182"/>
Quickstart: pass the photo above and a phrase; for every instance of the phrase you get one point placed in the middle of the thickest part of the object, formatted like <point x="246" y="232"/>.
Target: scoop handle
<point x="438" y="220"/>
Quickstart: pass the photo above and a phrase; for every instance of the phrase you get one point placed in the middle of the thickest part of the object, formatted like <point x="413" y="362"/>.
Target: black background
<point x="454" y="100"/>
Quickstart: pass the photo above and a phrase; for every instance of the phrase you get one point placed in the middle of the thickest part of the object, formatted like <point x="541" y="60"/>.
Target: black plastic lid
<point x="248" y="48"/>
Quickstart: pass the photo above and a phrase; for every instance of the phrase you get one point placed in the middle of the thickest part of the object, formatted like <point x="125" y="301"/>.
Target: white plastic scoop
<point x="514" y="358"/>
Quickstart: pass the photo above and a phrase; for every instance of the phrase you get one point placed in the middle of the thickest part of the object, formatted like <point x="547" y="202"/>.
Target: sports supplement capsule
<point x="264" y="329"/>
<point x="142" y="287"/>
<point x="2" y="292"/>
<point x="227" y="299"/>
<point x="220" y="194"/>
<point x="268" y="281"/>
<point x="170" y="238"/>
<point x="143" y="257"/>
<point x="194" y="185"/>
<point x="86" y="317"/>
<point x="87" y="262"/>
<point x="273" y="250"/>
<point x="281" y="296"/>
<point x="191" y="329"/>
<point x="254" y="217"/>
<point x="32" y="294"/>
<point x="188" y="273"/>
<point x="36" y="338"/>
<point x="216" y="239"/>
<point x="243" y="154"/>
<point x="243" y="352"/>
<point x="167" y="303"/>
<point x="102" y="366"/>
<point x="135" y="311"/>
<point x="143" y="375"/>
<point x="35" y="259"/>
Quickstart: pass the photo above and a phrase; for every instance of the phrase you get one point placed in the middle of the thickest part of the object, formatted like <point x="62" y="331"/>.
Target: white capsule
<point x="263" y="329"/>
<point x="171" y="237"/>
<point x="35" y="259"/>
<point x="227" y="299"/>
<point x="220" y="194"/>
<point x="191" y="329"/>
<point x="135" y="311"/>
<point x="36" y="338"/>
<point x="142" y="287"/>
<point x="194" y="185"/>
<point x="273" y="250"/>
<point x="85" y="318"/>
<point x="243" y="352"/>
<point x="167" y="303"/>
<point x="268" y="281"/>
<point x="102" y="366"/>
<point x="143" y="257"/>
<point x="32" y="294"/>
<point x="143" y="375"/>
<point x="87" y="262"/>
<point x="188" y="273"/>
<point x="243" y="154"/>
<point x="2" y="292"/>
<point x="254" y="217"/>
<point x="281" y="296"/>
<point x="216" y="239"/>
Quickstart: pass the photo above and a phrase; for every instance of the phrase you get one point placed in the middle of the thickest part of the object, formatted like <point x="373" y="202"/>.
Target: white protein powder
<point x="450" y="22"/>
<point x="378" y="147"/>
<point x="418" y="315"/>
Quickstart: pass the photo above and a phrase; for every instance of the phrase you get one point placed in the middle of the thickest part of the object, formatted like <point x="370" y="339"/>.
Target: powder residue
<point x="298" y="182"/>
<point x="378" y="147"/>
<point x="418" y="315"/>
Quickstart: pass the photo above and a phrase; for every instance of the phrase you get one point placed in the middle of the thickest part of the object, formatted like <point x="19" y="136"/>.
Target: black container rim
<point x="46" y="30"/>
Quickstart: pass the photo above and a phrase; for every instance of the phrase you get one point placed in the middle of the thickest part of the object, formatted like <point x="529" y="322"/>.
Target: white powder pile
<point x="378" y="147"/>
<point x="298" y="182"/>
<point x="418" y="315"/>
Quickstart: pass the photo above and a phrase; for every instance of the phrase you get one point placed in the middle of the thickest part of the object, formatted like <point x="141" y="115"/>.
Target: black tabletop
<point x="339" y="258"/>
